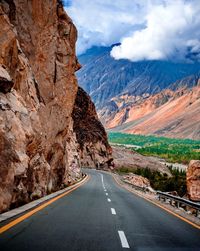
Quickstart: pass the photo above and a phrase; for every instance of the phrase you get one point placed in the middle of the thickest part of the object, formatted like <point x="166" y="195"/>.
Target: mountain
<point x="41" y="149"/>
<point x="169" y="113"/>
<point x="104" y="78"/>
<point x="130" y="96"/>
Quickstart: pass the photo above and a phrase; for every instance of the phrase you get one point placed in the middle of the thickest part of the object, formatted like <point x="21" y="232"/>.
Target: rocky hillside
<point x="131" y="160"/>
<point x="40" y="144"/>
<point x="169" y="113"/>
<point x="90" y="133"/>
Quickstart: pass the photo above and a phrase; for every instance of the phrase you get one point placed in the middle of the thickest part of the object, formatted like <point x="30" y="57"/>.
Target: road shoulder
<point x="17" y="215"/>
<point x="181" y="214"/>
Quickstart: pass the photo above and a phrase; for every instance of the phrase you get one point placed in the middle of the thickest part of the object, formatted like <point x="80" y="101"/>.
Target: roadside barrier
<point x="179" y="202"/>
<point x="173" y="200"/>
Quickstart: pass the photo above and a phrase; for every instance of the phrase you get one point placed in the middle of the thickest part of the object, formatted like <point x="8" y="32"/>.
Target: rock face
<point x="90" y="133"/>
<point x="169" y="113"/>
<point x="193" y="180"/>
<point x="6" y="82"/>
<point x="39" y="152"/>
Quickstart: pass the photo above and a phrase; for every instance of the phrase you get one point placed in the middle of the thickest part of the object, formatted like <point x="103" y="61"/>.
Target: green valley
<point x="171" y="149"/>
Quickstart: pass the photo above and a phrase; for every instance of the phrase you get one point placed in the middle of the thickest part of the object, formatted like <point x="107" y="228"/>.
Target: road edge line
<point x="40" y="207"/>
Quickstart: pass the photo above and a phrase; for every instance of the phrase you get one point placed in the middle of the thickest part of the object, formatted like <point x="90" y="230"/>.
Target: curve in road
<point x="101" y="216"/>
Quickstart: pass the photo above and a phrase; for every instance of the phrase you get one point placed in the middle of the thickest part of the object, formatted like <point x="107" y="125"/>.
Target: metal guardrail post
<point x="179" y="202"/>
<point x="174" y="200"/>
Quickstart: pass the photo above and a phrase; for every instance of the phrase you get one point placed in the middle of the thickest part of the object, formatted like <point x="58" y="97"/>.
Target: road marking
<point x="30" y="213"/>
<point x="158" y="205"/>
<point x="106" y="194"/>
<point x="109" y="200"/>
<point x="123" y="239"/>
<point x="113" y="211"/>
<point x="105" y="190"/>
<point x="103" y="182"/>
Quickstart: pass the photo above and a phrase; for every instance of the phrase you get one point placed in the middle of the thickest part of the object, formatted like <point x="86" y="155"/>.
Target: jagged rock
<point x="137" y="180"/>
<point x="193" y="180"/>
<point x="39" y="152"/>
<point x="6" y="82"/>
<point x="91" y="135"/>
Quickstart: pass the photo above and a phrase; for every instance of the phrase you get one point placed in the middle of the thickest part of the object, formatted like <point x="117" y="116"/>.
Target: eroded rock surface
<point x="91" y="135"/>
<point x="193" y="180"/>
<point x="39" y="152"/>
<point x="137" y="180"/>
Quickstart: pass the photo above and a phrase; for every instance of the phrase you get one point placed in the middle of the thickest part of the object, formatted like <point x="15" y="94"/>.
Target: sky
<point x="146" y="29"/>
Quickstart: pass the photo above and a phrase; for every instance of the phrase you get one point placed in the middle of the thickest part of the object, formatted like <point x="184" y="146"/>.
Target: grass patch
<point x="173" y="150"/>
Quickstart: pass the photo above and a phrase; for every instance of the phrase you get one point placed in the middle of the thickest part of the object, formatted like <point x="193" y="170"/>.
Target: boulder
<point x="193" y="180"/>
<point x="137" y="180"/>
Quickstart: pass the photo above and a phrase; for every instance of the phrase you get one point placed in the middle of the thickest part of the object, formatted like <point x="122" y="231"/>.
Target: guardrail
<point x="173" y="200"/>
<point x="143" y="189"/>
<point x="179" y="202"/>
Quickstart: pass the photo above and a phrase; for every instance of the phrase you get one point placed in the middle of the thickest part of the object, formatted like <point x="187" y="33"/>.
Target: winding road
<point x="101" y="216"/>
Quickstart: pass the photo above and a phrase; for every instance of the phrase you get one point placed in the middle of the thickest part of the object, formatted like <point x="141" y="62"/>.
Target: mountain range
<point x="146" y="97"/>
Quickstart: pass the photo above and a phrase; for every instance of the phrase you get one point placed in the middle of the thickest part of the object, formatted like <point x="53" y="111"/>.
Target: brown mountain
<point x="90" y="133"/>
<point x="40" y="146"/>
<point x="168" y="113"/>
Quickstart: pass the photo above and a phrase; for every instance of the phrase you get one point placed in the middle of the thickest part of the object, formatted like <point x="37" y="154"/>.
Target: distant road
<point x="126" y="145"/>
<point x="101" y="216"/>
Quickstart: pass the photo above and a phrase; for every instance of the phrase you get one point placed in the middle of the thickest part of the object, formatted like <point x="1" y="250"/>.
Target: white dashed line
<point x="123" y="239"/>
<point x="103" y="182"/>
<point x="105" y="190"/>
<point x="109" y="200"/>
<point x="106" y="194"/>
<point x="102" y="179"/>
<point x="113" y="211"/>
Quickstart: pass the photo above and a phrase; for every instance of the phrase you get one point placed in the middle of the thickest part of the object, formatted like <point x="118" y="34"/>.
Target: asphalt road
<point x="92" y="219"/>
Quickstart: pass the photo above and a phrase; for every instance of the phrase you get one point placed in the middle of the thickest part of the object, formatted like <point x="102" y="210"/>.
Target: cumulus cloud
<point x="104" y="22"/>
<point x="147" y="29"/>
<point x="171" y="32"/>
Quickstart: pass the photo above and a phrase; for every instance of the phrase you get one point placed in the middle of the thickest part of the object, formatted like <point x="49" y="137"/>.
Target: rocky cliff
<point x="193" y="180"/>
<point x="90" y="133"/>
<point x="39" y="151"/>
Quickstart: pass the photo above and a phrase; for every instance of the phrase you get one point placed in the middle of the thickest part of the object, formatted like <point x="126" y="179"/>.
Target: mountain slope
<point x="132" y="96"/>
<point x="178" y="116"/>
<point x="105" y="78"/>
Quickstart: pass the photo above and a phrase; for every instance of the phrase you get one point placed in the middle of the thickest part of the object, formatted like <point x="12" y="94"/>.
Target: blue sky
<point x="147" y="29"/>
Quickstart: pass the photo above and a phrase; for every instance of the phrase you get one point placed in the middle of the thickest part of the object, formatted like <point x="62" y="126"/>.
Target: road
<point x="101" y="216"/>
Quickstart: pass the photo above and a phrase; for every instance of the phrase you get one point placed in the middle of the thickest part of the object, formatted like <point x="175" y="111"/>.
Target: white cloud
<point x="104" y="22"/>
<point x="172" y="31"/>
<point x="147" y="29"/>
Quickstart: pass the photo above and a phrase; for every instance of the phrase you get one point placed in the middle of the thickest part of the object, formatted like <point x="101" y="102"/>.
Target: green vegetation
<point x="160" y="181"/>
<point x="173" y="150"/>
